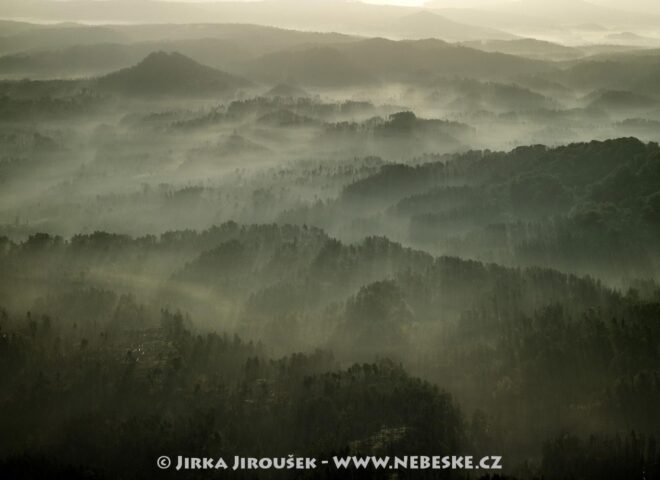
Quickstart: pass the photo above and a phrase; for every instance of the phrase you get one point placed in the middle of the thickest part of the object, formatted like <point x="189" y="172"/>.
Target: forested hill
<point x="510" y="344"/>
<point x="587" y="207"/>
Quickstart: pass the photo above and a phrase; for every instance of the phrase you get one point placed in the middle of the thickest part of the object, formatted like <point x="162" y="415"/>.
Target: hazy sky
<point x="471" y="3"/>
<point x="639" y="5"/>
<point x="411" y="3"/>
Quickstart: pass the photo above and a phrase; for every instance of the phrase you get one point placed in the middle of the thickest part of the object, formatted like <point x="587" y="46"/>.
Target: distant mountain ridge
<point x="528" y="47"/>
<point x="573" y="11"/>
<point x="162" y="73"/>
<point x="351" y="17"/>
<point x="382" y="60"/>
<point x="425" y="24"/>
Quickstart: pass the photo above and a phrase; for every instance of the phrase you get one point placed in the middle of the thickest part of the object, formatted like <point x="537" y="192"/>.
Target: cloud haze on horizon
<point x="643" y="6"/>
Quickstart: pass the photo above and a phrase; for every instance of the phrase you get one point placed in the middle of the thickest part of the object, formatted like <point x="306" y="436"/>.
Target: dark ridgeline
<point x="163" y="73"/>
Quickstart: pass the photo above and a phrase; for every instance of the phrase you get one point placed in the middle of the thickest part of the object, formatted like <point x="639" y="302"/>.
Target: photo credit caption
<point x="291" y="462"/>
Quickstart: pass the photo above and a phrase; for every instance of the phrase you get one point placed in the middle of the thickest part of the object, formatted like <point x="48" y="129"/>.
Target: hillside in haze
<point x="562" y="12"/>
<point x="164" y="73"/>
<point x="352" y="17"/>
<point x="528" y="47"/>
<point x="425" y="24"/>
<point x="360" y="62"/>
